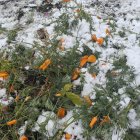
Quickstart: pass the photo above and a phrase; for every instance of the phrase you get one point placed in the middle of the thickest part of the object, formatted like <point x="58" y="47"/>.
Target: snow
<point x="133" y="60"/>
<point x="2" y="92"/>
<point x="117" y="134"/>
<point x="50" y="124"/>
<point x="22" y="129"/>
<point x="75" y="128"/>
<point x="38" y="2"/>
<point x="3" y="42"/>
<point x="134" y="121"/>
<point x="125" y="101"/>
<point x="4" y="99"/>
<point x="50" y="127"/>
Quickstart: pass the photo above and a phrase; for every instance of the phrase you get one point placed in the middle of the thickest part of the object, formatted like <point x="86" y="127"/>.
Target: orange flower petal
<point x="100" y="41"/>
<point x="45" y="65"/>
<point x="58" y="94"/>
<point x="17" y="98"/>
<point x="11" y="89"/>
<point x="94" y="75"/>
<point x="68" y="136"/>
<point x="11" y="122"/>
<point x="61" y="112"/>
<point x="77" y="10"/>
<point x="62" y="48"/>
<point x="94" y="38"/>
<point x="93" y="122"/>
<point x="23" y="138"/>
<point x="88" y="100"/>
<point x="107" y="32"/>
<point x="105" y="120"/>
<point x="66" y="0"/>
<point x="75" y="74"/>
<point x="91" y="59"/>
<point x="114" y="73"/>
<point x="98" y="17"/>
<point x="27" y="98"/>
<point x="62" y="40"/>
<point x="4" y="74"/>
<point x="83" y="60"/>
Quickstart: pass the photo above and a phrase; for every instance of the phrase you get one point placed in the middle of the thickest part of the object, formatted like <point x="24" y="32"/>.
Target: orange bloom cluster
<point x="100" y="41"/>
<point x="83" y="61"/>
<point x="106" y="119"/>
<point x="86" y="58"/>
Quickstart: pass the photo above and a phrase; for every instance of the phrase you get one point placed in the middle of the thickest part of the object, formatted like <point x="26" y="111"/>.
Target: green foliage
<point x="12" y="35"/>
<point x="74" y="98"/>
<point x="2" y="30"/>
<point x="63" y="24"/>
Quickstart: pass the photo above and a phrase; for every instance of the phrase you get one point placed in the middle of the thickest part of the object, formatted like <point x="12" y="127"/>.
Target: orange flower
<point x="62" y="40"/>
<point x="4" y="109"/>
<point x="4" y="74"/>
<point x="68" y="136"/>
<point x="105" y="120"/>
<point x="92" y="59"/>
<point x="88" y="100"/>
<point x="93" y="122"/>
<point x="11" y="89"/>
<point x="17" y="98"/>
<point x="11" y="122"/>
<point x="114" y="73"/>
<point x="94" y="75"/>
<point x="62" y="48"/>
<point x="61" y="112"/>
<point x="75" y="74"/>
<point x="23" y="138"/>
<point x="100" y="41"/>
<point x="27" y="98"/>
<point x="83" y="60"/>
<point x="66" y="0"/>
<point x="94" y="38"/>
<point x="107" y="32"/>
<point x="77" y="10"/>
<point x="58" y="94"/>
<point x="45" y="65"/>
<point x="98" y="17"/>
<point x="61" y="45"/>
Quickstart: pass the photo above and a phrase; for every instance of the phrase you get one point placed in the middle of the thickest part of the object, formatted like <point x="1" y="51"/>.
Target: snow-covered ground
<point x="126" y="15"/>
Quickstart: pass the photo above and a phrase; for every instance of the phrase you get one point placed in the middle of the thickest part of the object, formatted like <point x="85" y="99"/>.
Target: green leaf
<point x="67" y="87"/>
<point x="74" y="98"/>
